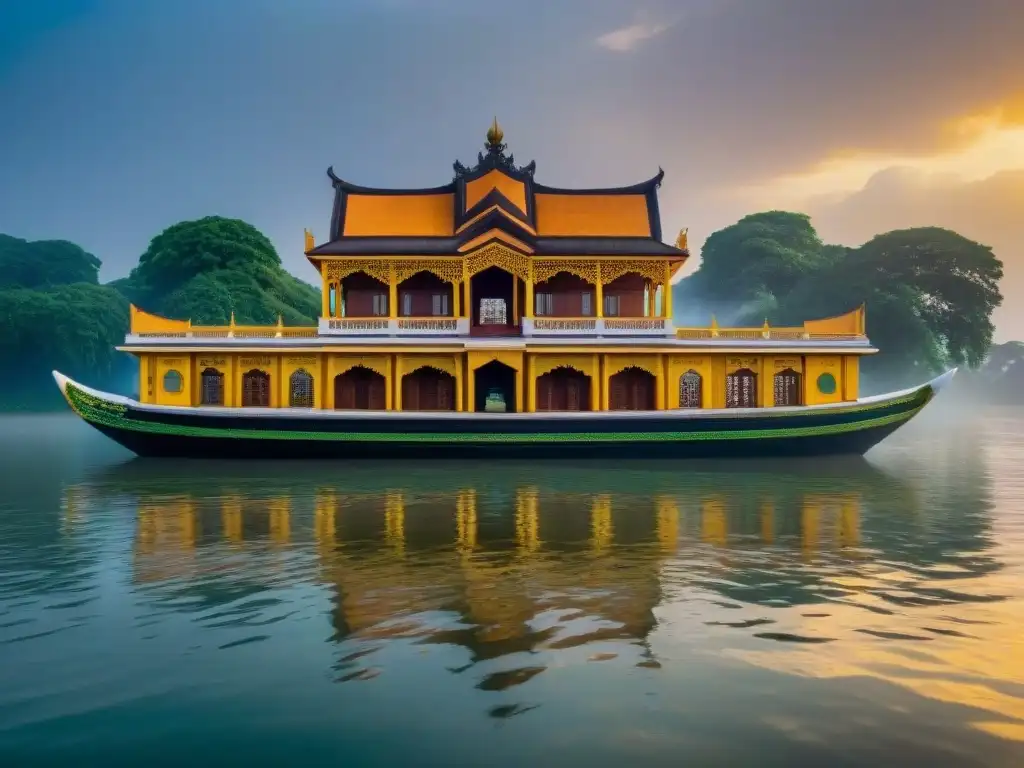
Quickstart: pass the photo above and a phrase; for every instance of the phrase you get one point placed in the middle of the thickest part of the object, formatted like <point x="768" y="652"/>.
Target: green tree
<point x="42" y="263"/>
<point x="929" y="292"/>
<point x="755" y="261"/>
<point x="955" y="279"/>
<point x="73" y="328"/>
<point x="204" y="270"/>
<point x="191" y="248"/>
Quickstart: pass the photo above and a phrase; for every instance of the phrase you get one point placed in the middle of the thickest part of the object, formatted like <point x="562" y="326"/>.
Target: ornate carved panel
<point x="379" y="269"/>
<point x="449" y="270"/>
<point x="653" y="270"/>
<point x="546" y="269"/>
<point x="496" y="255"/>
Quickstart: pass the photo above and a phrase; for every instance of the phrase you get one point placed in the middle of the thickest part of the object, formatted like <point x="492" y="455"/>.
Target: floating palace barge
<point x="496" y="316"/>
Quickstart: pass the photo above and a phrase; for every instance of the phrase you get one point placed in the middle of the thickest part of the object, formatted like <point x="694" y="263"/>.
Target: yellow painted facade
<point x="626" y="345"/>
<point x="159" y="373"/>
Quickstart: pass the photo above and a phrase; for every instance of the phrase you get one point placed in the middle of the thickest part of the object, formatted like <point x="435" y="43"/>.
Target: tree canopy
<point x="42" y="263"/>
<point x="929" y="292"/>
<point x="57" y="315"/>
<point x="203" y="270"/>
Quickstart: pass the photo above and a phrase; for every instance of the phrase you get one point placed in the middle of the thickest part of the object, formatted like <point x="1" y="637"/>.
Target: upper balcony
<point x="496" y="302"/>
<point x="842" y="331"/>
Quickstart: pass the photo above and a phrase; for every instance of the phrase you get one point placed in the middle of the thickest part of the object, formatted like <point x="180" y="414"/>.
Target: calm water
<point x="839" y="613"/>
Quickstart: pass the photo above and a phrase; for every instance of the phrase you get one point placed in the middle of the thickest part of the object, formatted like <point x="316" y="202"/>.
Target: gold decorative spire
<point x="494" y="134"/>
<point x="310" y="242"/>
<point x="681" y="240"/>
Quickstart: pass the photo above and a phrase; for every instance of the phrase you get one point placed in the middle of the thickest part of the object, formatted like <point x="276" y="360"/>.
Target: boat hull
<point x="848" y="428"/>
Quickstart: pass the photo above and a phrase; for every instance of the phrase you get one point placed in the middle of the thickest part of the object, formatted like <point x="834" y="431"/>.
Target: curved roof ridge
<point x="347" y="186"/>
<point x="640" y="188"/>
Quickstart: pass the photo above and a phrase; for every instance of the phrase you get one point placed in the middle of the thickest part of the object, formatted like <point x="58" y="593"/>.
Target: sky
<point x="119" y="118"/>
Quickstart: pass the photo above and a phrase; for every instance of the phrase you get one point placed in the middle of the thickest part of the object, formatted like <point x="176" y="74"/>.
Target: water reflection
<point x="828" y="569"/>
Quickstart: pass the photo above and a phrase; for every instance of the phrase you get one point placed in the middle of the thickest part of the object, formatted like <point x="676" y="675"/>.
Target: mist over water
<point x="839" y="612"/>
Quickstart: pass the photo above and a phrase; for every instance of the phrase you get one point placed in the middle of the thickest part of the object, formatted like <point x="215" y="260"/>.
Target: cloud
<point x="627" y="38"/>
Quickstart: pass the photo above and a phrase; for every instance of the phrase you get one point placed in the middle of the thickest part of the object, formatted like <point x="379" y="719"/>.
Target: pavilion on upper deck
<point x="494" y="253"/>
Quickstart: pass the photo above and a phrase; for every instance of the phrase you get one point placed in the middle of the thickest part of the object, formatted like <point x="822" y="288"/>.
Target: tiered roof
<point x="495" y="200"/>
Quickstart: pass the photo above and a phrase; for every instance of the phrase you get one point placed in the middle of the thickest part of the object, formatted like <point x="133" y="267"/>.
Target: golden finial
<point x="310" y="242"/>
<point x="714" y="326"/>
<point x="681" y="240"/>
<point x="494" y="133"/>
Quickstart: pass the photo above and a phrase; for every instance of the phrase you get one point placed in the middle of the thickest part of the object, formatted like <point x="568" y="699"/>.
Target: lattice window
<point x="406" y="305"/>
<point x="787" y="387"/>
<point x="439" y="305"/>
<point x="741" y="389"/>
<point x="300" y="389"/>
<point x="256" y="389"/>
<point x="211" y="389"/>
<point x="690" y="390"/>
<point x="380" y="304"/>
<point x="611" y="306"/>
<point x="587" y="304"/>
<point x="172" y="382"/>
<point x="493" y="312"/>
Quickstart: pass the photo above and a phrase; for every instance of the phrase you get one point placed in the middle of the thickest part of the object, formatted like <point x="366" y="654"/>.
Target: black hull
<point x="161" y="431"/>
<point x="172" y="446"/>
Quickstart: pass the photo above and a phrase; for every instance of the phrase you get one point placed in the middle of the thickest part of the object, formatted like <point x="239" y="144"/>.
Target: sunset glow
<point x="994" y="143"/>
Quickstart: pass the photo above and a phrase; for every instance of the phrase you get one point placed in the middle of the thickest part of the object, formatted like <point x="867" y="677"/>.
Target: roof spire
<point x="494" y="134"/>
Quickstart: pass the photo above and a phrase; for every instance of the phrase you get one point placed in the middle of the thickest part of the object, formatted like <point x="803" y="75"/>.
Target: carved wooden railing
<point x="565" y="324"/>
<point x="439" y="324"/>
<point x="761" y="334"/>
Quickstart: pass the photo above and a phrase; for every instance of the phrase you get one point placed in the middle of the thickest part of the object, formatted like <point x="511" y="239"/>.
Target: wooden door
<point x="741" y="389"/>
<point x="256" y="389"/>
<point x="787" y="387"/>
<point x="212" y="387"/>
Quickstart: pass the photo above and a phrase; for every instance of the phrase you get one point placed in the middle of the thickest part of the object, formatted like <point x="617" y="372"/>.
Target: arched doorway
<point x="787" y="387"/>
<point x="563" y="389"/>
<point x="691" y="390"/>
<point x="632" y="390"/>
<point x="494" y="386"/>
<point x="211" y="387"/>
<point x="492" y="313"/>
<point x="360" y="389"/>
<point x="256" y="389"/>
<point x="300" y="389"/>
<point x="741" y="389"/>
<point x="428" y="389"/>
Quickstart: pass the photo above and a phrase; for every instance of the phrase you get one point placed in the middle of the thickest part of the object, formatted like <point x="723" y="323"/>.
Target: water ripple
<point x="832" y="604"/>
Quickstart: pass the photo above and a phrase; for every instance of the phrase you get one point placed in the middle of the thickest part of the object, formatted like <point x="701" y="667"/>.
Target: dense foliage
<point x="57" y="316"/>
<point x="929" y="292"/>
<point x="203" y="270"/>
<point x="44" y="263"/>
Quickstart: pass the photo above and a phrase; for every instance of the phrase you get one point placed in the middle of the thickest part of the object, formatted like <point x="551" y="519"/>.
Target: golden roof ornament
<point x="494" y="134"/>
<point x="681" y="240"/>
